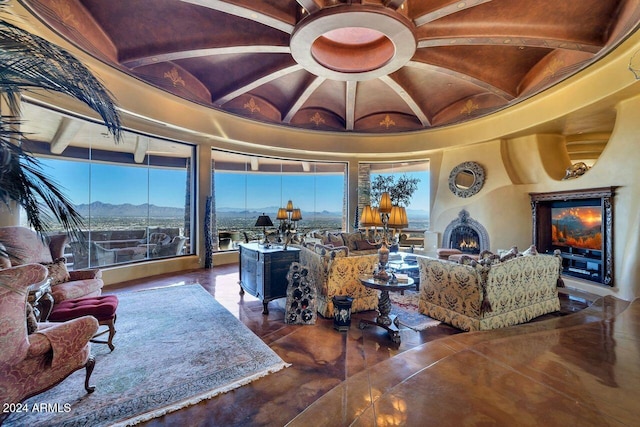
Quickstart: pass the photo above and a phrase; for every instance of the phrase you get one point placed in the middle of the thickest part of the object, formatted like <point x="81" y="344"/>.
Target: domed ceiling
<point x="347" y="66"/>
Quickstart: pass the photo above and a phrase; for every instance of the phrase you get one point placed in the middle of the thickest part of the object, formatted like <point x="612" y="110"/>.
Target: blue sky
<point x="117" y="184"/>
<point x="165" y="187"/>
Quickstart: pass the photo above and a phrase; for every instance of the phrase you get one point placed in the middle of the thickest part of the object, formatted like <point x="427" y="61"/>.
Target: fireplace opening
<point x="465" y="234"/>
<point x="465" y="239"/>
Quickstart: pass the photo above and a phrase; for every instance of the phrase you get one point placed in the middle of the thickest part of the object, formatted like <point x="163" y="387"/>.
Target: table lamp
<point x="264" y="221"/>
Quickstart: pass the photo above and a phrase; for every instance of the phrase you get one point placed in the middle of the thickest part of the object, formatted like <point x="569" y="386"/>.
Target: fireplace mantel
<point x="590" y="264"/>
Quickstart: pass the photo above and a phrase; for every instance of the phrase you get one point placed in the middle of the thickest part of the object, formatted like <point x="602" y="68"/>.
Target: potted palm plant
<point x="30" y="62"/>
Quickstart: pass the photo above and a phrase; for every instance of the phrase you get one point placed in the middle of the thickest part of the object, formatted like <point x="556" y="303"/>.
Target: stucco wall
<point x="536" y="163"/>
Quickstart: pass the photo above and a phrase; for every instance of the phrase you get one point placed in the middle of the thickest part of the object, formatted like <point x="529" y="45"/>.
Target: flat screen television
<point x="577" y="227"/>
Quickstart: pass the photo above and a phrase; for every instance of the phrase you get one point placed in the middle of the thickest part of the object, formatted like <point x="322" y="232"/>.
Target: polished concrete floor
<point x="578" y="367"/>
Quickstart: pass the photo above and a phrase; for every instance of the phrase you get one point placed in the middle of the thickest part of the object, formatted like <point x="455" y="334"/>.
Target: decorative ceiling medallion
<point x="469" y="107"/>
<point x="552" y="68"/>
<point x="174" y="76"/>
<point x="252" y="106"/>
<point x="317" y="119"/>
<point x="387" y="122"/>
<point x="63" y="10"/>
<point x="353" y="42"/>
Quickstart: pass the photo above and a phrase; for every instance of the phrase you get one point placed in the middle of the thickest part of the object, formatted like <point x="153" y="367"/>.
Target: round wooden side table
<point x="384" y="319"/>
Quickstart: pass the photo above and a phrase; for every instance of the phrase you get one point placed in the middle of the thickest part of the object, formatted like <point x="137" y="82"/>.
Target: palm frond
<point x="28" y="61"/>
<point x="24" y="182"/>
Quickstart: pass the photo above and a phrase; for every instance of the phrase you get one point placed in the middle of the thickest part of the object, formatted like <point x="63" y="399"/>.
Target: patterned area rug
<point x="175" y="346"/>
<point x="406" y="308"/>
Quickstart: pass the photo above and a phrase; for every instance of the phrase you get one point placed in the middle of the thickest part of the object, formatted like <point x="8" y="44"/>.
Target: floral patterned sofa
<point x="478" y="296"/>
<point x="334" y="272"/>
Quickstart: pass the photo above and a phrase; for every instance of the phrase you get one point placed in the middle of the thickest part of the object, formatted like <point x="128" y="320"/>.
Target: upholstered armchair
<point x="33" y="363"/>
<point x="25" y="246"/>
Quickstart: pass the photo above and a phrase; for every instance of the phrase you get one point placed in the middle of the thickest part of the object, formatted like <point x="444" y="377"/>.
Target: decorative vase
<point x="342" y="312"/>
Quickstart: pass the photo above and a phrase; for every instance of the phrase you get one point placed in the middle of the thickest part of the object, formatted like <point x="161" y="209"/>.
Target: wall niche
<point x="579" y="223"/>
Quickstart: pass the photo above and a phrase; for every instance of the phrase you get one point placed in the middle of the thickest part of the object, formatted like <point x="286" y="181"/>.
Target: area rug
<point x="175" y="346"/>
<point x="406" y="308"/>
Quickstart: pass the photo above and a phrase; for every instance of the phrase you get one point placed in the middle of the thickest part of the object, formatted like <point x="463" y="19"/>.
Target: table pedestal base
<point x="384" y="320"/>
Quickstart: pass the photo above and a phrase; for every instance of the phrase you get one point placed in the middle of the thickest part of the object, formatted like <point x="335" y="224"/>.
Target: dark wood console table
<point x="263" y="271"/>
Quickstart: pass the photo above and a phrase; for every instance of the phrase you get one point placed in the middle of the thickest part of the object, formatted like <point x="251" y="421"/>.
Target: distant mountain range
<point x="99" y="209"/>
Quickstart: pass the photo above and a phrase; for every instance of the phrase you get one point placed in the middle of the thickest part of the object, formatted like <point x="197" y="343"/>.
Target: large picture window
<point x="417" y="205"/>
<point x="134" y="196"/>
<point x="247" y="186"/>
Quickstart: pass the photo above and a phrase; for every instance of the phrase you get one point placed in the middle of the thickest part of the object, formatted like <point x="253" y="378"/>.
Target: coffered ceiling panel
<point x="347" y="66"/>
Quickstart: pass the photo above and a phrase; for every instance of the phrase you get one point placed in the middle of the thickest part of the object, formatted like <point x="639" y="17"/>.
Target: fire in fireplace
<point x="465" y="239"/>
<point x="466" y="234"/>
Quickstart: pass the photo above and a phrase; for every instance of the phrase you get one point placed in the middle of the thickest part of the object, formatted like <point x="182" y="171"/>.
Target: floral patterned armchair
<point x="334" y="273"/>
<point x="25" y="247"/>
<point x="33" y="363"/>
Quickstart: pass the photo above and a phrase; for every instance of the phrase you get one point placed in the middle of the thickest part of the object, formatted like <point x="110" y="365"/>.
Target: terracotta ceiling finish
<point x="347" y="66"/>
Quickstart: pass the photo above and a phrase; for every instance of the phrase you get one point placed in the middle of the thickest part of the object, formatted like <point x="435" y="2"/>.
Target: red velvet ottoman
<point x="101" y="307"/>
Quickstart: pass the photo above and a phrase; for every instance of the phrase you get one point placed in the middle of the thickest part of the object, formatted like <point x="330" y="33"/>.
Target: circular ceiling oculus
<point x="356" y="42"/>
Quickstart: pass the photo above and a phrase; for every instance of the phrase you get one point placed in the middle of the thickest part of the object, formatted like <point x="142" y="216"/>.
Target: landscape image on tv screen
<point x="578" y="227"/>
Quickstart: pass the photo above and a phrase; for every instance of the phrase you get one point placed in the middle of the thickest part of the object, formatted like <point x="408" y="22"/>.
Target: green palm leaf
<point x="29" y="62"/>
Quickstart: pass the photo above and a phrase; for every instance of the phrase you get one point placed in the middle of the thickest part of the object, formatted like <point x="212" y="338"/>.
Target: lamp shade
<point x="367" y="219"/>
<point x="282" y="214"/>
<point x="398" y="217"/>
<point x="289" y="206"/>
<point x="385" y="203"/>
<point x="264" y="221"/>
<point x="377" y="219"/>
<point x="296" y="215"/>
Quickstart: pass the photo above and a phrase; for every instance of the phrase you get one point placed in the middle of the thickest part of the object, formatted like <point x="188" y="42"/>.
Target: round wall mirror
<point x="466" y="179"/>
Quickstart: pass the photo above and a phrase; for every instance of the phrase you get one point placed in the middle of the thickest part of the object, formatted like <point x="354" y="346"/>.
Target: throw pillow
<point x="363" y="245"/>
<point x="351" y="239"/>
<point x="335" y="239"/>
<point x="513" y="252"/>
<point x="58" y="271"/>
<point x="531" y="251"/>
<point x="32" y="323"/>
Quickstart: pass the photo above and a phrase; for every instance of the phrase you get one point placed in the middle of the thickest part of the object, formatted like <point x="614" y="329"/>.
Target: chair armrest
<point x="20" y="277"/>
<point x="67" y="338"/>
<point x="91" y="273"/>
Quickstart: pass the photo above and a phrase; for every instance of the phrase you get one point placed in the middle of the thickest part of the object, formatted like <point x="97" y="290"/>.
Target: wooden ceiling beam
<point x="309" y="5"/>
<point x="350" y="104"/>
<point x="520" y="40"/>
<point x="243" y="12"/>
<point x="67" y="130"/>
<point x="408" y="99"/>
<point x="462" y="76"/>
<point x="306" y="94"/>
<point x="453" y="7"/>
<point x="200" y="53"/>
<point x="256" y="83"/>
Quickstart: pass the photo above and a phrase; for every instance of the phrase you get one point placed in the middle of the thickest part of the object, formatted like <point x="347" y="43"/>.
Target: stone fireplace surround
<point x="466" y="234"/>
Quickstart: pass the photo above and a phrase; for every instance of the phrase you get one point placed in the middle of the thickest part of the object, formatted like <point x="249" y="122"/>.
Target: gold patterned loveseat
<point x="475" y="297"/>
<point x="334" y="272"/>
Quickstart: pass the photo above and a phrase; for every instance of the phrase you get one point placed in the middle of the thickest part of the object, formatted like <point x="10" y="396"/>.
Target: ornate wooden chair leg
<point x="91" y="363"/>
